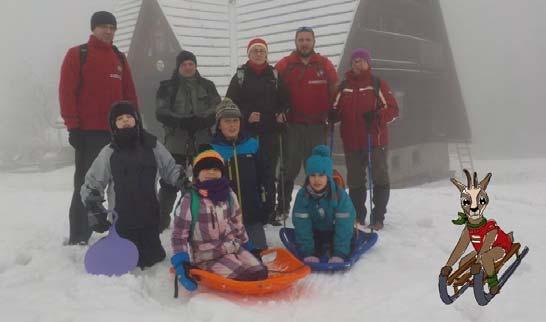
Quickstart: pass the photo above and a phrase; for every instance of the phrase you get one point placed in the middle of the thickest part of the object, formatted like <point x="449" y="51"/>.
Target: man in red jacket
<point x="93" y="76"/>
<point x="365" y="109"/>
<point x="311" y="80"/>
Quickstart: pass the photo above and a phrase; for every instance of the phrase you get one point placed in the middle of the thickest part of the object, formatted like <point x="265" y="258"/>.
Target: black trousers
<point x="167" y="194"/>
<point x="91" y="144"/>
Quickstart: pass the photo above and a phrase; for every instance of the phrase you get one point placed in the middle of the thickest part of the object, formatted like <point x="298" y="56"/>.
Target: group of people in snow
<point x="272" y="117"/>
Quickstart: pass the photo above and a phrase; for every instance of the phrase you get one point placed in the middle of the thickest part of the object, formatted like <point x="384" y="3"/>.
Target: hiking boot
<point x="277" y="218"/>
<point x="377" y="226"/>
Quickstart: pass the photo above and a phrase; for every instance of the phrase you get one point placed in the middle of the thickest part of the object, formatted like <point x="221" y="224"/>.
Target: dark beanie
<point x="183" y="56"/>
<point x="103" y="18"/>
<point x="120" y="108"/>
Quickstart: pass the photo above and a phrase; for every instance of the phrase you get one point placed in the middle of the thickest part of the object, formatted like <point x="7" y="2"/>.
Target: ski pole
<point x="281" y="170"/>
<point x="370" y="185"/>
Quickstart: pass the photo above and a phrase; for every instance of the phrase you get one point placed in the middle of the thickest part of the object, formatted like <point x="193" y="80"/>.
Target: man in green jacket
<point x="186" y="106"/>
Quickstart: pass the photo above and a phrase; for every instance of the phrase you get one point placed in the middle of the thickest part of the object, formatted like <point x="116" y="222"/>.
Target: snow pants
<point x="241" y="266"/>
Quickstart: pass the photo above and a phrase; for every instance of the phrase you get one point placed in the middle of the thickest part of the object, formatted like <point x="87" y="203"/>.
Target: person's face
<point x="359" y="65"/>
<point x="125" y="121"/>
<point x="318" y="181"/>
<point x="209" y="174"/>
<point x="230" y="126"/>
<point x="258" y="55"/>
<point x="305" y="43"/>
<point x="187" y="68"/>
<point x="105" y="33"/>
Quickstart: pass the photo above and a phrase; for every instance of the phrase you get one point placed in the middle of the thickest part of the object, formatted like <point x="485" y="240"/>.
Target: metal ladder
<point x="460" y="154"/>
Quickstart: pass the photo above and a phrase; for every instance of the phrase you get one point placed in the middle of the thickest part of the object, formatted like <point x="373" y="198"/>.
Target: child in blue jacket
<point x="323" y="214"/>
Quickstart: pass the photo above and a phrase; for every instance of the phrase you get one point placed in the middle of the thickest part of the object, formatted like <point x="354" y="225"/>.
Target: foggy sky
<point x="498" y="46"/>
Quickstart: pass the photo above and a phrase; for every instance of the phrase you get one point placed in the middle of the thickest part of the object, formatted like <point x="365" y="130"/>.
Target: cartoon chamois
<point x="489" y="241"/>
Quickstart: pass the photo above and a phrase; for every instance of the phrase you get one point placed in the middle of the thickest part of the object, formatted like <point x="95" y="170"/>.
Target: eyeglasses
<point x="304" y="29"/>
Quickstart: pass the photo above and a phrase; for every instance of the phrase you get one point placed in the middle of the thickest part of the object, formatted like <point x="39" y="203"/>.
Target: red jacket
<point x="356" y="98"/>
<point x="85" y="99"/>
<point x="477" y="236"/>
<point x="312" y="87"/>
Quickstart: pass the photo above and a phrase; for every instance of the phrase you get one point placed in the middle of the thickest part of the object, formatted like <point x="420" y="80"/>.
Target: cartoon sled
<point x="493" y="248"/>
<point x="284" y="270"/>
<point x="361" y="244"/>
<point x="111" y="255"/>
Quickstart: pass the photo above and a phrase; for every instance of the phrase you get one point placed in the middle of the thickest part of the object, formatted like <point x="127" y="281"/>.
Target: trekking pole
<point x="281" y="170"/>
<point x="370" y="184"/>
<point x="237" y="178"/>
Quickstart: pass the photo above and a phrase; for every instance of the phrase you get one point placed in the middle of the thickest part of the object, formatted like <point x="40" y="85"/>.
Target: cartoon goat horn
<point x="468" y="180"/>
<point x="458" y="184"/>
<point x="485" y="181"/>
<point x="475" y="180"/>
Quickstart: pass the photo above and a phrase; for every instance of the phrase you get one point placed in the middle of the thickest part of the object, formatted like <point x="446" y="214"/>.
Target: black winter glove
<point x="333" y="116"/>
<point x="96" y="213"/>
<point x="370" y="117"/>
<point x="75" y="138"/>
<point x="188" y="124"/>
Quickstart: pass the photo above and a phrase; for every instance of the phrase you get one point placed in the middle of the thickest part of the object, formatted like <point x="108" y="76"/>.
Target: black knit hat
<point x="103" y="18"/>
<point x="183" y="56"/>
<point x="120" y="108"/>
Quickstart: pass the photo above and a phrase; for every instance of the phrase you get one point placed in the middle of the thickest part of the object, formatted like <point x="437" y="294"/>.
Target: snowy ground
<point x="40" y="280"/>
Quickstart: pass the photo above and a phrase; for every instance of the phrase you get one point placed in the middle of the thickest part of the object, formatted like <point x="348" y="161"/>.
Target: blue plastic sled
<point x="363" y="243"/>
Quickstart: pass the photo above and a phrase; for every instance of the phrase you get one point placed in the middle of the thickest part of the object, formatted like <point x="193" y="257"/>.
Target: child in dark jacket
<point x="210" y="224"/>
<point x="247" y="171"/>
<point x="323" y="215"/>
<point x="130" y="163"/>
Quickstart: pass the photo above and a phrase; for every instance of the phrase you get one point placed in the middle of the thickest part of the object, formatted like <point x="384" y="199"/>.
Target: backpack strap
<point x="376" y="84"/>
<point x="83" y="55"/>
<point x="121" y="56"/>
<point x="276" y="75"/>
<point x="240" y="75"/>
<point x="195" y="205"/>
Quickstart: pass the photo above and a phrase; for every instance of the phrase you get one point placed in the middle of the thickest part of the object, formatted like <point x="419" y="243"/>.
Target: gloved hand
<point x="335" y="260"/>
<point x="181" y="262"/>
<point x="96" y="213"/>
<point x="370" y="117"/>
<point x="188" y="124"/>
<point x="333" y="116"/>
<point x="445" y="271"/>
<point x="75" y="138"/>
<point x="311" y="259"/>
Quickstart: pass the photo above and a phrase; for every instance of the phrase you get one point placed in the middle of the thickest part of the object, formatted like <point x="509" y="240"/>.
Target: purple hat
<point x="361" y="53"/>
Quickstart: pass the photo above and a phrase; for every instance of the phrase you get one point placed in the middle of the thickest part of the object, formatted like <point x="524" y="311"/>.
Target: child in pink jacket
<point x="209" y="223"/>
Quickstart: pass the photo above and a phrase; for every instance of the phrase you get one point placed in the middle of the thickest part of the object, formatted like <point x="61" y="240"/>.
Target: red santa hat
<point x="256" y="42"/>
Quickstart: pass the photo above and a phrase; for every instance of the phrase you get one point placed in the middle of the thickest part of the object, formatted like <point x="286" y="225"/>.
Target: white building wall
<point x="218" y="31"/>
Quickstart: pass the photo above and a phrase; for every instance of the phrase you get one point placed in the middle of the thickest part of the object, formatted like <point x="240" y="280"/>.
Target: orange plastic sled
<point x="284" y="270"/>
